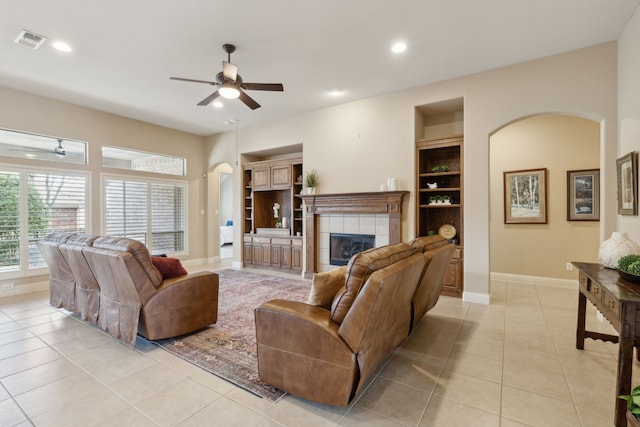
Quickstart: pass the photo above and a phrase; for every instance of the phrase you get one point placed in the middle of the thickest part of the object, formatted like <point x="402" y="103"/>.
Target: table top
<point x="620" y="288"/>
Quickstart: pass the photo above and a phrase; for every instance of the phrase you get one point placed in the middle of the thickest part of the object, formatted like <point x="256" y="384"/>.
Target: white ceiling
<point x="124" y="51"/>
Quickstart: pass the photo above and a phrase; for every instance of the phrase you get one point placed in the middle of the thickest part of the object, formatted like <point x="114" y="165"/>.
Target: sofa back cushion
<point x="137" y="249"/>
<point x="380" y="318"/>
<point x="427" y="243"/>
<point x="359" y="268"/>
<point x="432" y="280"/>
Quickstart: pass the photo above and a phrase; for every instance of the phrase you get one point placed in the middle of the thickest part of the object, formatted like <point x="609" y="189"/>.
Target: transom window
<point x="124" y="158"/>
<point x="40" y="147"/>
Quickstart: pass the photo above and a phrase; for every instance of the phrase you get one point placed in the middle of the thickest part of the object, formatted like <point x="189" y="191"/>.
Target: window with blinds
<point x="32" y="205"/>
<point x="151" y="212"/>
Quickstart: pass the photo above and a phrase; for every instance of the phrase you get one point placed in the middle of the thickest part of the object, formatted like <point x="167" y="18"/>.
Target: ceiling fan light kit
<point x="228" y="91"/>
<point x="230" y="84"/>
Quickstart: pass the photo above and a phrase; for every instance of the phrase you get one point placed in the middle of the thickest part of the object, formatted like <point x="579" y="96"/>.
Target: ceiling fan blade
<point x="193" y="80"/>
<point x="249" y="101"/>
<point x="209" y="99"/>
<point x="229" y="70"/>
<point x="277" y="87"/>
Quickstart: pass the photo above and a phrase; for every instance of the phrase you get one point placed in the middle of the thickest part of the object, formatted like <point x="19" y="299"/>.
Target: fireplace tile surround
<point x="377" y="213"/>
<point x="373" y="224"/>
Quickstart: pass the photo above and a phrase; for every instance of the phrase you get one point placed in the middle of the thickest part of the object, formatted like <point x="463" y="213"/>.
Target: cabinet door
<point x="276" y="251"/>
<point x="296" y="258"/>
<point x="265" y="253"/>
<point x="285" y="257"/>
<point x="281" y="176"/>
<point x="248" y="253"/>
<point x="453" y="279"/>
<point x="261" y="179"/>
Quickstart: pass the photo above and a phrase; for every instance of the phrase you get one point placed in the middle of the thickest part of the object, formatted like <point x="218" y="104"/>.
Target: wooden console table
<point x="619" y="301"/>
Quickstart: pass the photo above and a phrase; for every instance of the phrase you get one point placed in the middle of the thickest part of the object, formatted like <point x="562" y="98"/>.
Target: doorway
<point x="226" y="211"/>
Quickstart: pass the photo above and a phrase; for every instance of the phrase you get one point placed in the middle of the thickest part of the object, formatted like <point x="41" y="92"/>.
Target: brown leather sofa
<point x="132" y="297"/>
<point x="327" y="355"/>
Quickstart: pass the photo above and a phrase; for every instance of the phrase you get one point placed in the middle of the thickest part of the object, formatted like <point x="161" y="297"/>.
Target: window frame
<point x="24" y="270"/>
<point x="149" y="182"/>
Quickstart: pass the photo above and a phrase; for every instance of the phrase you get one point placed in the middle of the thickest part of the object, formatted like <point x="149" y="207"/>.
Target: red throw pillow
<point x="168" y="267"/>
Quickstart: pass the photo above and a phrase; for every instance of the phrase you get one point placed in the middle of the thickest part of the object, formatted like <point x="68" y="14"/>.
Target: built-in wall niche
<point x="439" y="119"/>
<point x="264" y="202"/>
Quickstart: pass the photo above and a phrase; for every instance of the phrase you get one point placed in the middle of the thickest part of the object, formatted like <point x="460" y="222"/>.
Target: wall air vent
<point x="30" y="39"/>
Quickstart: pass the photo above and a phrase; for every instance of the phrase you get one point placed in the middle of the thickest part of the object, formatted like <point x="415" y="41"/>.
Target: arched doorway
<point x="558" y="143"/>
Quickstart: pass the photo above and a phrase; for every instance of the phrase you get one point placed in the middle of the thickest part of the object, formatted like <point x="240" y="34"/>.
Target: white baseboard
<point x="25" y="289"/>
<point x="475" y="297"/>
<point x="199" y="261"/>
<point x="535" y="280"/>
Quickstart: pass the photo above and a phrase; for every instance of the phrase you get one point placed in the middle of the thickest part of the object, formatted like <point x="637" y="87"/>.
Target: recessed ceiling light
<point x="336" y="92"/>
<point x="62" y="46"/>
<point x="399" y="47"/>
<point x="218" y="104"/>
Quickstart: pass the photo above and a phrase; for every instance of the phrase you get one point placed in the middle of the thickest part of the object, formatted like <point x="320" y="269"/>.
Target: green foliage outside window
<point x="38" y="218"/>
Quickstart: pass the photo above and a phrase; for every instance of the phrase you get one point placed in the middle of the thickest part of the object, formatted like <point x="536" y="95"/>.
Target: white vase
<point x="311" y="190"/>
<point x="615" y="247"/>
<point x="392" y="184"/>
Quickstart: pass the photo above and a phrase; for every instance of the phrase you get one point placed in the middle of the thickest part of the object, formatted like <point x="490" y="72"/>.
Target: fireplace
<point x="342" y="246"/>
<point x="373" y="213"/>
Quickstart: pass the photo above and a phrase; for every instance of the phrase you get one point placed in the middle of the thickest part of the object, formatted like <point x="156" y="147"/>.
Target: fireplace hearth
<point x="342" y="246"/>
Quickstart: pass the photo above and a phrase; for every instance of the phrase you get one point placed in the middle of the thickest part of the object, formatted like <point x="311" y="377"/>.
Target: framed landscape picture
<point x="627" y="168"/>
<point x="525" y="196"/>
<point x="583" y="195"/>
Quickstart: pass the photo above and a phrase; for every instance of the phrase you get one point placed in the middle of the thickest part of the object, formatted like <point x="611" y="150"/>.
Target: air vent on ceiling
<point x="30" y="39"/>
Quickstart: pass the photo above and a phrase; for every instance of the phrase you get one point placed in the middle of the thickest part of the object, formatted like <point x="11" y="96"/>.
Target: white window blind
<point x="151" y="212"/>
<point x="32" y="205"/>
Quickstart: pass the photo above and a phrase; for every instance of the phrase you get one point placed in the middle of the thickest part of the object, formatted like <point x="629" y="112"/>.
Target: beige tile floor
<point x="511" y="363"/>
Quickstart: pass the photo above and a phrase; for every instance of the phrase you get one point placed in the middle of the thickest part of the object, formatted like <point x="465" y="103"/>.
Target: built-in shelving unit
<point x="440" y="180"/>
<point x="272" y="242"/>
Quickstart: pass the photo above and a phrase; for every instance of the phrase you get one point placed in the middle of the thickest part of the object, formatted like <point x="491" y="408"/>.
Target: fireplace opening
<point x="343" y="246"/>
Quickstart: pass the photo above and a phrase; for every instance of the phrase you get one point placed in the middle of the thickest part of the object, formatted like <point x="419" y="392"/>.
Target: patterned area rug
<point x="228" y="348"/>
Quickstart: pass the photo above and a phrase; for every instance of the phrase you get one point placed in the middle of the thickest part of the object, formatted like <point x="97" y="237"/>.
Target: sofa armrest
<point x="181" y="305"/>
<point x="300" y="351"/>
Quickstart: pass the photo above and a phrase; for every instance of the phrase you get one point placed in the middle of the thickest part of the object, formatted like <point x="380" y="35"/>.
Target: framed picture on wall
<point x="583" y="195"/>
<point x="627" y="167"/>
<point x="525" y="196"/>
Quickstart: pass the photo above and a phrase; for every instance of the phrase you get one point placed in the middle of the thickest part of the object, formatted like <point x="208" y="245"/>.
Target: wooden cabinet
<point x="440" y="198"/>
<point x="267" y="242"/>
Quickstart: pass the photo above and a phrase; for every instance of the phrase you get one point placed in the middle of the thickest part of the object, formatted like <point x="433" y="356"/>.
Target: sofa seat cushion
<point x="360" y="267"/>
<point x="324" y="287"/>
<point x="168" y="267"/>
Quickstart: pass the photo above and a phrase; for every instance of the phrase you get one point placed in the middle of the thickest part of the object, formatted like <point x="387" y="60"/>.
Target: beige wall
<point x="31" y="113"/>
<point x="558" y="143"/>
<point x="629" y="107"/>
<point x="356" y="146"/>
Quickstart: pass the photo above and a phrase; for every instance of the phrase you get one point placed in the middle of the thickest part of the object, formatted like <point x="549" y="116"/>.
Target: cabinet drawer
<point x="611" y="304"/>
<point x="596" y="290"/>
<point x="261" y="240"/>
<point x="583" y="279"/>
<point x="280" y="241"/>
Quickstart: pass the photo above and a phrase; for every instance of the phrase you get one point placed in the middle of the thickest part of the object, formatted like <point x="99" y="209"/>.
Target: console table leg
<point x="582" y="310"/>
<point x="623" y="382"/>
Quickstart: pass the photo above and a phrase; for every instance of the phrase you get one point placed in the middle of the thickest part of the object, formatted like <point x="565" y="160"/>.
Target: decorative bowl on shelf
<point x="631" y="277"/>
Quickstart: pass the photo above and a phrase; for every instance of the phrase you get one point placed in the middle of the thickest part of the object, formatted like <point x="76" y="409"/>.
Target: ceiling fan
<point x="230" y="84"/>
<point x="59" y="151"/>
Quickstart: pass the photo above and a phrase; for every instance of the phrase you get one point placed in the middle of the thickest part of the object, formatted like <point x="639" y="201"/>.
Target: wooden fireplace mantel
<point x="379" y="202"/>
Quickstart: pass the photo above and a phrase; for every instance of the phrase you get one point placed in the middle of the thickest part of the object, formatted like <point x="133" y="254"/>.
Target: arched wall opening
<point x="558" y="143"/>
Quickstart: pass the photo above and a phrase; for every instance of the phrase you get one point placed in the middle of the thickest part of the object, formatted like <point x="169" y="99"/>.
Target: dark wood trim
<point x="380" y="202"/>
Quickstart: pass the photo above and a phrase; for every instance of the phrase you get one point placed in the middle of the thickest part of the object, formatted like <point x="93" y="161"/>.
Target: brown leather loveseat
<point x="131" y="296"/>
<point x="325" y="350"/>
